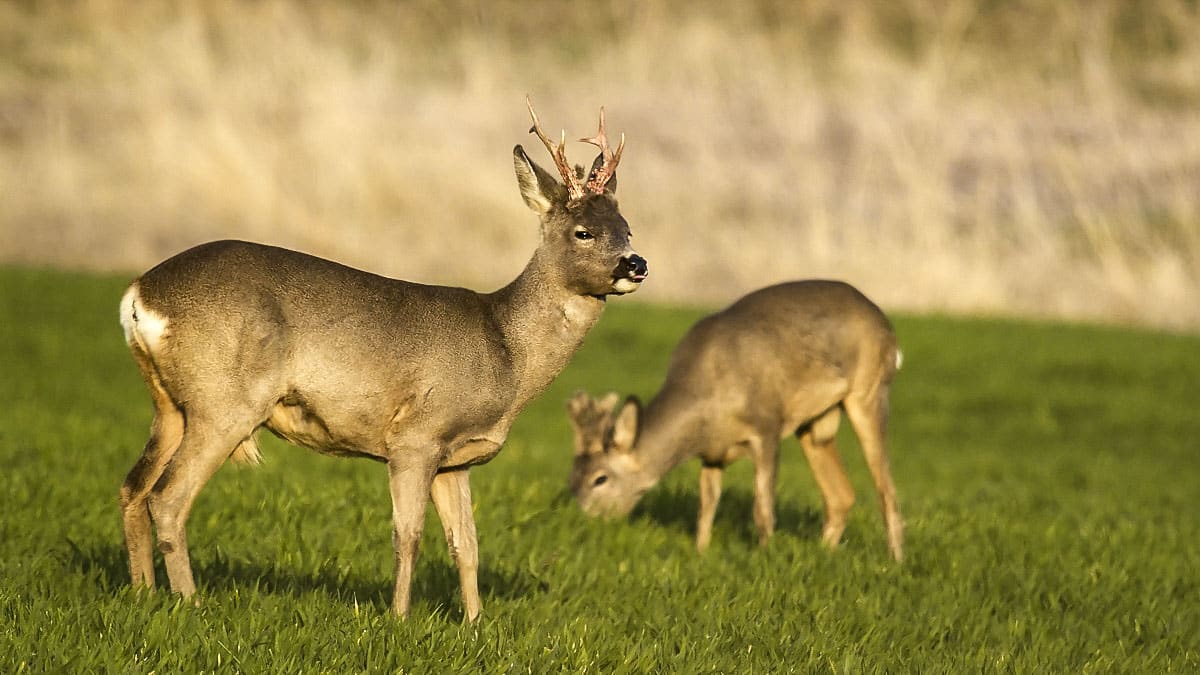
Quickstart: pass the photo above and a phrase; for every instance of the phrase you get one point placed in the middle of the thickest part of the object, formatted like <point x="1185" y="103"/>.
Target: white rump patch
<point x="899" y="359"/>
<point x="142" y="325"/>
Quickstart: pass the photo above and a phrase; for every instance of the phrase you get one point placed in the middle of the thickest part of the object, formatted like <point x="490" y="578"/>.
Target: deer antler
<point x="559" y="153"/>
<point x="599" y="178"/>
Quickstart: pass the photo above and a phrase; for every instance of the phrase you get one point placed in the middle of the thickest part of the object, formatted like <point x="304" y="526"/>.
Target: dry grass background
<point x="1024" y="157"/>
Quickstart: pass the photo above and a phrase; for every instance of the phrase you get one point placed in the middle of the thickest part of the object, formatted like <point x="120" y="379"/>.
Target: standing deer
<point x="785" y="359"/>
<point x="232" y="336"/>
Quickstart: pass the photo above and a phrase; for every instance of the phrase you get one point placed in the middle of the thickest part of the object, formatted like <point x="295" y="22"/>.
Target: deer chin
<point x="610" y="510"/>
<point x="626" y="285"/>
<point x="612" y="507"/>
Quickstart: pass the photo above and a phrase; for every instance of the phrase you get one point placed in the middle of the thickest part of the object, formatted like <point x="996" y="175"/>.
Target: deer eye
<point x="583" y="235"/>
<point x="600" y="480"/>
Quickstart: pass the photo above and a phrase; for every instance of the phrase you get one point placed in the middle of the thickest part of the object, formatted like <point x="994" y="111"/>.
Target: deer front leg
<point x="452" y="497"/>
<point x="410" y="475"/>
<point x="766" y="464"/>
<point x="710" y="495"/>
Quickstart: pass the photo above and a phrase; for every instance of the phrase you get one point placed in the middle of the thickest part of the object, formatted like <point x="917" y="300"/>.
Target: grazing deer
<point x="785" y="359"/>
<point x="231" y="336"/>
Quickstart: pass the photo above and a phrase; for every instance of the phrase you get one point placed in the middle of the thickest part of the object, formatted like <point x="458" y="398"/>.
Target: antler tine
<point x="600" y="177"/>
<point x="617" y="155"/>
<point x="559" y="153"/>
<point x="600" y="140"/>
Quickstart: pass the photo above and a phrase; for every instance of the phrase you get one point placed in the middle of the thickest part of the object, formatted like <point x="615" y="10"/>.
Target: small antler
<point x="599" y="178"/>
<point x="559" y="153"/>
<point x="592" y="420"/>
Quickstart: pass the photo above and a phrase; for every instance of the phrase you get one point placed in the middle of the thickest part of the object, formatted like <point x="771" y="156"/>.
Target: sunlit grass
<point x="1046" y="472"/>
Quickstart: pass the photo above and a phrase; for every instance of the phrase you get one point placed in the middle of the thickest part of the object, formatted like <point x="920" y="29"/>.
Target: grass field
<point x="1048" y="474"/>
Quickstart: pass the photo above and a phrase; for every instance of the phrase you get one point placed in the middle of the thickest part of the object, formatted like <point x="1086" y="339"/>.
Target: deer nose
<point x="634" y="267"/>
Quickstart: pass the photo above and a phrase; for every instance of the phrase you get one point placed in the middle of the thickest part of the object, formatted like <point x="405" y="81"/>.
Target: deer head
<point x="583" y="231"/>
<point x="605" y="476"/>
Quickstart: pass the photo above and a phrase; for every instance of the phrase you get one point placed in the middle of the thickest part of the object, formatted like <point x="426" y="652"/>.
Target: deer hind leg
<point x="869" y="415"/>
<point x="819" y="440"/>
<point x="208" y="440"/>
<point x="710" y="496"/>
<point x="166" y="432"/>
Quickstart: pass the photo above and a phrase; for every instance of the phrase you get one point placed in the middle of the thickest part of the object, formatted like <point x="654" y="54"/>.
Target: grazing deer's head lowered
<point x="605" y="476"/>
<point x="232" y="337"/>
<point x="787" y="359"/>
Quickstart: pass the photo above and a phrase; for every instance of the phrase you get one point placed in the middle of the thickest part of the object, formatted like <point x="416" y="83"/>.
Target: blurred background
<point x="1037" y="158"/>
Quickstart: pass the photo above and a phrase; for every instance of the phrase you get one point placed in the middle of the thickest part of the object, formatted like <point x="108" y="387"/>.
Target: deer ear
<point x="539" y="189"/>
<point x="627" y="425"/>
<point x="611" y="186"/>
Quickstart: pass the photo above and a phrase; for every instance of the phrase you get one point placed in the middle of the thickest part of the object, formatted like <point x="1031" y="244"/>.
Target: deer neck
<point x="673" y="431"/>
<point x="543" y="324"/>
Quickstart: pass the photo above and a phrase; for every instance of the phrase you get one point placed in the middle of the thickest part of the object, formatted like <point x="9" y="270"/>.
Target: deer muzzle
<point x="632" y="267"/>
<point x="630" y="271"/>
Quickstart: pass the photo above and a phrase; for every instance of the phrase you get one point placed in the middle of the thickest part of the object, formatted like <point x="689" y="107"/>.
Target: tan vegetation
<point x="1024" y="157"/>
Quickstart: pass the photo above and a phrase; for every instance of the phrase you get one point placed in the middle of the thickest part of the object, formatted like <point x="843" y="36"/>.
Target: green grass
<point x="1048" y="475"/>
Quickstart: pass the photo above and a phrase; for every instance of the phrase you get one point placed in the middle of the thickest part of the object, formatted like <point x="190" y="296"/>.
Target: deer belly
<point x="474" y="451"/>
<point x="300" y="426"/>
<point x="724" y="456"/>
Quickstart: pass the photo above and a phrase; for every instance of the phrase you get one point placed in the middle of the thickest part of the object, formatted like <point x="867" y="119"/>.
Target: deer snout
<point x="629" y="273"/>
<point x="632" y="266"/>
<point x="637" y="265"/>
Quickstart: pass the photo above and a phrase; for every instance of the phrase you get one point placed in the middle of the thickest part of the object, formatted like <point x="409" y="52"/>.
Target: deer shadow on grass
<point x="435" y="581"/>
<point x="677" y="507"/>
